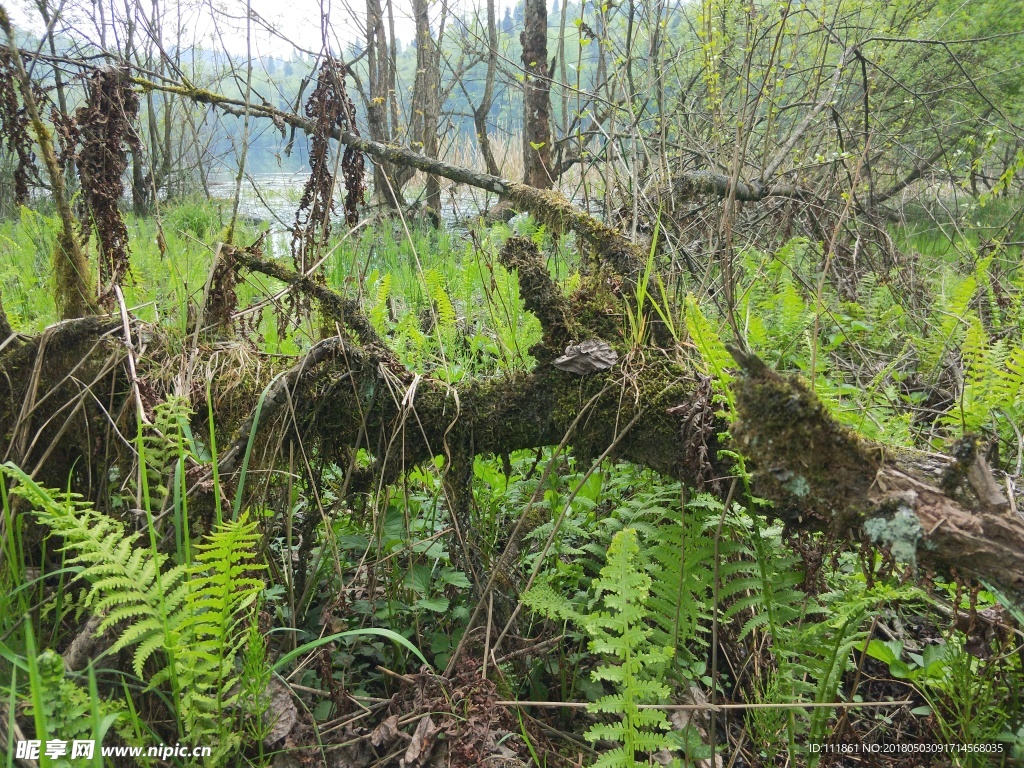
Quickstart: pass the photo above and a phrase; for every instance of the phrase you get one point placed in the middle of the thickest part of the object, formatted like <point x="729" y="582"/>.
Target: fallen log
<point x="821" y="475"/>
<point x="346" y="395"/>
<point x="818" y="474"/>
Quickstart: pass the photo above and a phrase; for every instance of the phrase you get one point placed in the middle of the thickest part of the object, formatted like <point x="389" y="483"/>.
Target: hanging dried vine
<point x="105" y="131"/>
<point x="14" y="122"/>
<point x="331" y="109"/>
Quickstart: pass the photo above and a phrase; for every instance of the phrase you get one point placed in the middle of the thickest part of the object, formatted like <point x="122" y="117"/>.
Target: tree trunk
<point x="387" y="188"/>
<point x="426" y="110"/>
<point x="536" y="96"/>
<point x="484" y="109"/>
<point x="140" y="186"/>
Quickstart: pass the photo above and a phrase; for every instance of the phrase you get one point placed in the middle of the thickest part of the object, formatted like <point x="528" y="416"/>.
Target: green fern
<point x="439" y="296"/>
<point x="127" y="582"/>
<point x="993" y="380"/>
<point x="194" y="615"/>
<point x="212" y="625"/>
<point x="621" y="634"/>
<point x="67" y="709"/>
<point x="709" y="344"/>
<point x="164" y="442"/>
<point x="378" y="310"/>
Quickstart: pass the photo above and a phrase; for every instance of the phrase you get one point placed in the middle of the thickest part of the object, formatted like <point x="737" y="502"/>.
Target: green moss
<point x="806" y="461"/>
<point x="596" y="310"/>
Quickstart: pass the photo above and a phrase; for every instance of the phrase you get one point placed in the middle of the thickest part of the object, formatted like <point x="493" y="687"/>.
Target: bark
<point x="484" y="109"/>
<point x="426" y="105"/>
<point x="536" y="96"/>
<point x="387" y="184"/>
<point x="822" y="476"/>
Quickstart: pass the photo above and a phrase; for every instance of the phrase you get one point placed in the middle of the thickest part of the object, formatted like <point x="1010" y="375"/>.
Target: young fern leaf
<point x="222" y="589"/>
<point x="621" y="632"/>
<point x="439" y="296"/>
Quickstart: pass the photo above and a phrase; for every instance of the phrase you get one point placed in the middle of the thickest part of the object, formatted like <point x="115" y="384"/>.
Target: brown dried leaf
<point x="281" y="713"/>
<point x="386" y="732"/>
<point x="422" y="743"/>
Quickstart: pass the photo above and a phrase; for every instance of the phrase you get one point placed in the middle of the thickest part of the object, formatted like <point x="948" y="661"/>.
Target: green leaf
<point x="455" y="578"/>
<point x="436" y="604"/>
<point x="285" y="660"/>
<point x="418" y="579"/>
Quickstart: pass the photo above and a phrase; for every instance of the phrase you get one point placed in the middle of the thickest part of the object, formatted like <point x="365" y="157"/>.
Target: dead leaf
<point x="422" y="743"/>
<point x="281" y="713"/>
<point x="386" y="732"/>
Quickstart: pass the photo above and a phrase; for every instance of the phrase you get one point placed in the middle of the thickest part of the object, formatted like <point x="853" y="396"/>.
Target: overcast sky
<point x="296" y="20"/>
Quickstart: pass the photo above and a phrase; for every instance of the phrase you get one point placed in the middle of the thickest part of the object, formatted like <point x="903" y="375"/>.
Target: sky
<point x="297" y="21"/>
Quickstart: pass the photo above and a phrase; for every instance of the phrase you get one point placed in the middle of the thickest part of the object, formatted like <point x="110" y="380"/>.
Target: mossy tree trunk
<point x="75" y="294"/>
<point x="352" y="393"/>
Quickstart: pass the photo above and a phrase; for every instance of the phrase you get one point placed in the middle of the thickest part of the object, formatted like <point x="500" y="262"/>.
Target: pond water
<point x="274" y="197"/>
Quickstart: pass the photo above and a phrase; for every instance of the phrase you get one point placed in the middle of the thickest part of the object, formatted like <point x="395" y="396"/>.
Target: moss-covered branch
<point x="821" y="475"/>
<point x="541" y="295"/>
<point x="334" y="307"/>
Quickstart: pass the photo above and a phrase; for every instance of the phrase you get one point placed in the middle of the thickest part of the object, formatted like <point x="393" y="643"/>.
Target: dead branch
<point x="549" y="207"/>
<point x="334" y="307"/>
<point x="275" y="398"/>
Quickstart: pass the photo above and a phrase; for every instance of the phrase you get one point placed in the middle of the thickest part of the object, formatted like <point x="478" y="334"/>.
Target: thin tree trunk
<point x="484" y="109"/>
<point x="75" y="295"/>
<point x="536" y="96"/>
<point x="426" y="106"/>
<point x="381" y="96"/>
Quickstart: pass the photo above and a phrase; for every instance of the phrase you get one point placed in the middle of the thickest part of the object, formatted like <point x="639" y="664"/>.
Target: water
<point x="274" y="198"/>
